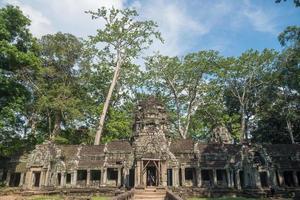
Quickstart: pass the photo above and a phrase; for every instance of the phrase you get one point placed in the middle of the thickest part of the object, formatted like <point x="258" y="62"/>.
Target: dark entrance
<point x="151" y="171"/>
<point x="241" y="173"/>
<point x="36" y="179"/>
<point x="151" y="176"/>
<point x="131" y="178"/>
<point x="288" y="178"/>
<point x="169" y="177"/>
<point x="263" y="179"/>
<point x="15" y="179"/>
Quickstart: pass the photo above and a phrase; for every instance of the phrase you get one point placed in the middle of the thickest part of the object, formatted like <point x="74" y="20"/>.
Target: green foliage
<point x="57" y="86"/>
<point x="124" y="38"/>
<point x="123" y="35"/>
<point x="244" y="79"/>
<point x="223" y="198"/>
<point x="60" y="96"/>
<point x="185" y="84"/>
<point x="296" y="2"/>
<point x="18" y="66"/>
<point x="279" y="115"/>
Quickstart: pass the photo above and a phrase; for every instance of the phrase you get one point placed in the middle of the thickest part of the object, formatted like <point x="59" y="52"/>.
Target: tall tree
<point x="124" y="38"/>
<point x="183" y="82"/>
<point x="289" y="76"/>
<point x="59" y="94"/>
<point x="244" y="77"/>
<point x="18" y="64"/>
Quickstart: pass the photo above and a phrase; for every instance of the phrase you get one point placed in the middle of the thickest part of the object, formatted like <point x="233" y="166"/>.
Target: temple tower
<point x="150" y="145"/>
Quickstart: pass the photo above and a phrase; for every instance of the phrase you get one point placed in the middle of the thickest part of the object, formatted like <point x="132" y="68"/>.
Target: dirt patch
<point x="12" y="197"/>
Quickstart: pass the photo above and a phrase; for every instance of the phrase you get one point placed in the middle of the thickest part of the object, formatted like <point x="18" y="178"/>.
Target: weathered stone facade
<point x="152" y="159"/>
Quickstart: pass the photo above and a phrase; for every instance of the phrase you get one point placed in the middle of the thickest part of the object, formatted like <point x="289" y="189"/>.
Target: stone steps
<point x="149" y="194"/>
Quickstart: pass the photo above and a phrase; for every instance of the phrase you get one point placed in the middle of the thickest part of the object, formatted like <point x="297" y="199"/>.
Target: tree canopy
<point x="54" y="88"/>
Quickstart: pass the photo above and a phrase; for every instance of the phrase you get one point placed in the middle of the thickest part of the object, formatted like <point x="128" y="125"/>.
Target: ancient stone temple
<point x="152" y="159"/>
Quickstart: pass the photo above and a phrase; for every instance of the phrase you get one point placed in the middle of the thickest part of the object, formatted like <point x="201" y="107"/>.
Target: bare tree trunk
<point x="33" y="123"/>
<point x="290" y="130"/>
<point x="57" y="123"/>
<point x="49" y="123"/>
<point x="243" y="125"/>
<point x="106" y="104"/>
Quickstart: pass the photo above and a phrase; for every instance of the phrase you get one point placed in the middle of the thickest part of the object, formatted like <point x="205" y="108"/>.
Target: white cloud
<point x="262" y="20"/>
<point x="40" y="24"/>
<point x="175" y="24"/>
<point x="63" y="15"/>
<point x="71" y="17"/>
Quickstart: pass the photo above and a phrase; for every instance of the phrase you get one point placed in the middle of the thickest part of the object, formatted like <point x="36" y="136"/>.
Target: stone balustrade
<point x="125" y="196"/>
<point x="172" y="196"/>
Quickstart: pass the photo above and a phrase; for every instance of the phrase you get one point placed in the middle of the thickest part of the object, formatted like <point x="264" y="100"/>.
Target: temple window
<point x="263" y="179"/>
<point x="14" y="179"/>
<point x="288" y="178"/>
<point x="221" y="176"/>
<point x="68" y="181"/>
<point x="95" y="175"/>
<point x="169" y="177"/>
<point x="112" y="174"/>
<point x="298" y="177"/>
<point x="58" y="178"/>
<point x="81" y="175"/>
<point x="189" y="173"/>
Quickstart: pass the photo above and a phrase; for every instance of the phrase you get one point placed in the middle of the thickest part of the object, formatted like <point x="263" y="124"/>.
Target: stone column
<point x="295" y="178"/>
<point x="257" y="179"/>
<point x="1" y="174"/>
<point x="163" y="172"/>
<point x="143" y="178"/>
<point x="21" y="179"/>
<point x="238" y="180"/>
<point x="183" y="176"/>
<point x="228" y="178"/>
<point x="125" y="177"/>
<point x="198" y="175"/>
<point x="104" y="179"/>
<point x="215" y="181"/>
<point x="272" y="177"/>
<point x="74" y="178"/>
<point x="47" y="177"/>
<point x="232" y="177"/>
<point x="7" y="178"/>
<point x="281" y="180"/>
<point x="27" y="180"/>
<point x="175" y="177"/>
<point x="138" y="173"/>
<point x="88" y="177"/>
<point x="63" y="179"/>
<point x="43" y="177"/>
<point x="40" y="181"/>
<point x="119" y="177"/>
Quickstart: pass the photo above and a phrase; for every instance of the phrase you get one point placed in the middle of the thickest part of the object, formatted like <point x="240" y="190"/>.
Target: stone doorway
<point x="36" y="179"/>
<point x="151" y="176"/>
<point x="151" y="171"/>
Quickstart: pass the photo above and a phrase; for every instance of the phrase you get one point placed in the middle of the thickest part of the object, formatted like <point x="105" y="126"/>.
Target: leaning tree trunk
<point x="106" y="104"/>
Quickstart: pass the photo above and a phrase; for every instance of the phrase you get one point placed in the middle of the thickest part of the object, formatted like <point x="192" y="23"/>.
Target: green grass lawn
<point x="57" y="197"/>
<point x="100" y="198"/>
<point x="223" y="198"/>
<point x="45" y="197"/>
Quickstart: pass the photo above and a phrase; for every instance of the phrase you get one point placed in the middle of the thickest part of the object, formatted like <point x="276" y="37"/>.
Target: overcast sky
<point x="229" y="26"/>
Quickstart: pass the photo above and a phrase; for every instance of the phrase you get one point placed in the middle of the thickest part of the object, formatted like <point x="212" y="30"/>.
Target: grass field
<point x="223" y="198"/>
<point x="57" y="197"/>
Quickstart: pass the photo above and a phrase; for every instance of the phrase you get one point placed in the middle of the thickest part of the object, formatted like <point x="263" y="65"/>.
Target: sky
<point x="228" y="26"/>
